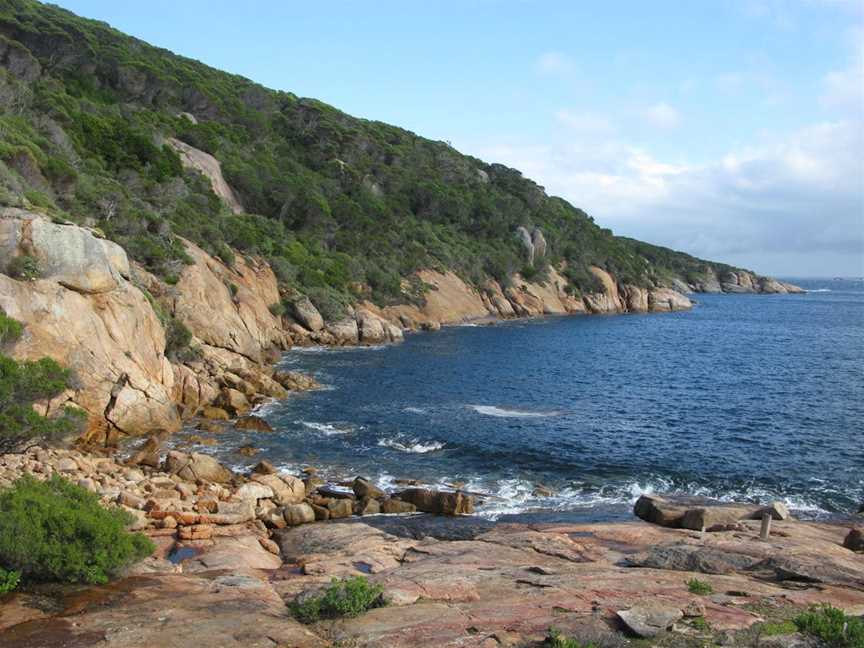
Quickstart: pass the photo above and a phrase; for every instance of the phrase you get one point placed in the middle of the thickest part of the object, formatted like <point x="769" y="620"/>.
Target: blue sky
<point x="731" y="129"/>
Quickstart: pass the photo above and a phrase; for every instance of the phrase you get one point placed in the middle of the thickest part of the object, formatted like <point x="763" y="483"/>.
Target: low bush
<point x="177" y="339"/>
<point x="24" y="268"/>
<point x="832" y="626"/>
<point x="10" y="329"/>
<point x="277" y="309"/>
<point x="56" y="531"/>
<point x="8" y="580"/>
<point x="696" y="586"/>
<point x="557" y="640"/>
<point x="22" y="384"/>
<point x="349" y="597"/>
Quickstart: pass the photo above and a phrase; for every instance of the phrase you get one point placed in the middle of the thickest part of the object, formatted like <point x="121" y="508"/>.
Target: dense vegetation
<point x="341" y="206"/>
<point x="55" y="531"/>
<point x="22" y="384"/>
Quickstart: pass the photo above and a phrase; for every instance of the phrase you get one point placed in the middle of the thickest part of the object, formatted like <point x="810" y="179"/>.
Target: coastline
<point x="449" y="581"/>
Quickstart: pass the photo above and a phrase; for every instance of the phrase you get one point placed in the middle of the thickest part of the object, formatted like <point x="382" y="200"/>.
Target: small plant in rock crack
<point x="349" y="597"/>
<point x="696" y="586"/>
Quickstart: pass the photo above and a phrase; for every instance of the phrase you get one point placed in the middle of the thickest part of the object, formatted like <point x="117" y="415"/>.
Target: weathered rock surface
<point x="210" y="168"/>
<point x="650" y="619"/>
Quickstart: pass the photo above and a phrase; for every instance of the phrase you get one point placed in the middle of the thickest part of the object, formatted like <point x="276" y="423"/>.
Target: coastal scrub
<point x="56" y="531"/>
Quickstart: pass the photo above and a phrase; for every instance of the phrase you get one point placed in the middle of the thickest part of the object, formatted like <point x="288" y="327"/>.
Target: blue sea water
<point x="746" y="397"/>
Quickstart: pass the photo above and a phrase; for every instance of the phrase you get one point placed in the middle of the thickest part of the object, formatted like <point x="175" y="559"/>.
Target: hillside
<point x="167" y="229"/>
<point x="343" y="208"/>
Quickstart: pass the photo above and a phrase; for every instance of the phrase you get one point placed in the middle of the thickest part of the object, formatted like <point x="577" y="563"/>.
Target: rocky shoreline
<point x="244" y="547"/>
<point x="149" y="354"/>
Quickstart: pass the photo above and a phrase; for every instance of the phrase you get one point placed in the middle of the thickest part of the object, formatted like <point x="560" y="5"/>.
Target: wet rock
<point x="295" y="381"/>
<point x="439" y="502"/>
<point x="297" y="514"/>
<point x="248" y="450"/>
<point x="264" y="467"/>
<point x="394" y="505"/>
<point x="854" y="540"/>
<point x="215" y="413"/>
<point x="368" y="506"/>
<point x="210" y="426"/>
<point x="650" y="619"/>
<point x="253" y="424"/>
<point x="340" y="508"/>
<point x="363" y="488"/>
<point x="234" y="402"/>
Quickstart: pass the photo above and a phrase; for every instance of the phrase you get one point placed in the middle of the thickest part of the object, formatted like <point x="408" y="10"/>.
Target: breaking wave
<point x="413" y="446"/>
<point x="329" y="429"/>
<point x="502" y="412"/>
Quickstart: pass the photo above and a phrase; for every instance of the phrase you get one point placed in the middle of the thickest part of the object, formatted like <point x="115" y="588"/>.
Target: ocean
<point x="746" y="397"/>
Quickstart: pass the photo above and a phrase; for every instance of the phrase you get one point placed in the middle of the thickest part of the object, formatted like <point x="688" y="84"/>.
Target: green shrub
<point x="10" y="329"/>
<point x="349" y="597"/>
<point x="23" y="268"/>
<point x="277" y="309"/>
<point x="8" y="580"/>
<point x="556" y="640"/>
<point x="774" y="628"/>
<point x="696" y="586"/>
<point x="22" y="384"/>
<point x="700" y="623"/>
<point x="832" y="626"/>
<point x="327" y="303"/>
<point x="56" y="531"/>
<point x="177" y="338"/>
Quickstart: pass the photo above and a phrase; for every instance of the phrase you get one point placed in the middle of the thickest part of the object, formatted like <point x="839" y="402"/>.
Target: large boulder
<point x="68" y="254"/>
<point x="438" y="502"/>
<point x="286" y="488"/>
<point x="524" y="237"/>
<point x="304" y="311"/>
<point x="345" y="331"/>
<point x="197" y="467"/>
<point x="854" y="540"/>
<point x="297" y="514"/>
<point x="696" y="513"/>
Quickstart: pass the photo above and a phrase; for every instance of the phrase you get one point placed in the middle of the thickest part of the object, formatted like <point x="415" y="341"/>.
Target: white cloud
<point x="844" y="88"/>
<point x="586" y="123"/>
<point x="662" y="115"/>
<point x="790" y="206"/>
<point x="553" y="63"/>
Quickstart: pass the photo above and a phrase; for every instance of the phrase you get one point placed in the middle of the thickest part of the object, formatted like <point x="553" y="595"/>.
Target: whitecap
<point x="818" y="290"/>
<point x="328" y="429"/>
<point x="413" y="446"/>
<point x="502" y="412"/>
<point x="414" y="410"/>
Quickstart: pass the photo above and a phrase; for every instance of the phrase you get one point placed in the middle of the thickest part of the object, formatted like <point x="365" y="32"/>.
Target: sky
<point x="730" y="129"/>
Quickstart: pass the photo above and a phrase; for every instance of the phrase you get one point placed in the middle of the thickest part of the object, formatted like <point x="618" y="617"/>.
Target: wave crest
<point x="503" y="412"/>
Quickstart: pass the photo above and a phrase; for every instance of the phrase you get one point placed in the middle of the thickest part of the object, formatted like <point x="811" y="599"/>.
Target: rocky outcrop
<point x="87" y="316"/>
<point x="70" y="255"/>
<point x="306" y="314"/>
<point x="211" y="169"/>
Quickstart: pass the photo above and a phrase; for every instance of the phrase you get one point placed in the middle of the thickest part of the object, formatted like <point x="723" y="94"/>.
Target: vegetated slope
<point x="343" y="208"/>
